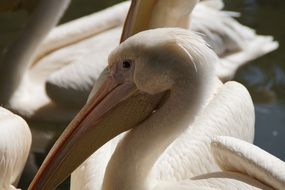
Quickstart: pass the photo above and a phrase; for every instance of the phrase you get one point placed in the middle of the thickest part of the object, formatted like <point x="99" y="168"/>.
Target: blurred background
<point x="264" y="77"/>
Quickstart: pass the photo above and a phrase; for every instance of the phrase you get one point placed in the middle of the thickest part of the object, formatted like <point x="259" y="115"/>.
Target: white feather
<point x="15" y="143"/>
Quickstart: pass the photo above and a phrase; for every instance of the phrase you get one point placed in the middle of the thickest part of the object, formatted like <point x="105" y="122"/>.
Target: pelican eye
<point x="127" y="64"/>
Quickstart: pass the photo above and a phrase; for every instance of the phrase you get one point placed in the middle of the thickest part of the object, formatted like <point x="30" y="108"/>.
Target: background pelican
<point x="92" y="38"/>
<point x="22" y="87"/>
<point x="15" y="143"/>
<point x="167" y="77"/>
<point x="23" y="76"/>
<point x="22" y="80"/>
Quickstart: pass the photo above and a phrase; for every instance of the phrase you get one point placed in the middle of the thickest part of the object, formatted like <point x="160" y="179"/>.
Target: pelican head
<point x="142" y="72"/>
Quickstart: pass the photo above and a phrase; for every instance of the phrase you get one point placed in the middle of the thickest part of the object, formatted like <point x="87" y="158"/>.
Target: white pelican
<point x="233" y="42"/>
<point x="162" y="85"/>
<point x="15" y="143"/>
<point x="22" y="80"/>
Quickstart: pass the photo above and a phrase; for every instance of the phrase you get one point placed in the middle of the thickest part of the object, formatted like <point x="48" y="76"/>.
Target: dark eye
<point x="127" y="64"/>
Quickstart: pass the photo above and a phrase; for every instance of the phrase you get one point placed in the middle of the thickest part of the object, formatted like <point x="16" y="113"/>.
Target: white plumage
<point x="15" y="143"/>
<point x="235" y="155"/>
<point x="141" y="159"/>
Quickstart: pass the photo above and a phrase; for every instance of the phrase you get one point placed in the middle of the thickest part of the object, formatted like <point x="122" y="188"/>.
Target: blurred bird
<point x="15" y="143"/>
<point x="22" y="86"/>
<point x="22" y="81"/>
<point x="38" y="73"/>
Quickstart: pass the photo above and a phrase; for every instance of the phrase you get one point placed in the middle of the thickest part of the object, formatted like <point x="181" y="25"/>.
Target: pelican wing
<point x="216" y="180"/>
<point x="83" y="28"/>
<point x="70" y="85"/>
<point x="181" y="186"/>
<point x="72" y="56"/>
<point x="33" y="87"/>
<point x="233" y="154"/>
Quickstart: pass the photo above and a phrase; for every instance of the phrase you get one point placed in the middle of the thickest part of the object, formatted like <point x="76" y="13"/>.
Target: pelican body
<point x="161" y="88"/>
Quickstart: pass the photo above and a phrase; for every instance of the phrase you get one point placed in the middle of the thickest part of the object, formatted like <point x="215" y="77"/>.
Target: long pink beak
<point x="109" y="113"/>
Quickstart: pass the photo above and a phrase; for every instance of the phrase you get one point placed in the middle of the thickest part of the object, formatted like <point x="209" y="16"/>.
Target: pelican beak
<point x="138" y="17"/>
<point x="115" y="108"/>
<point x="150" y="14"/>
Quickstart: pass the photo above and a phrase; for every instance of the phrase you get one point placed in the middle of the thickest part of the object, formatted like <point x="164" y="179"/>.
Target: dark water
<point x="264" y="77"/>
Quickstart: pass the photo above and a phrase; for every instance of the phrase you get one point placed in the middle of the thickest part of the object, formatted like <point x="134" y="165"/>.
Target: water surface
<point x="265" y="77"/>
